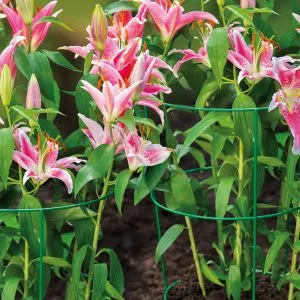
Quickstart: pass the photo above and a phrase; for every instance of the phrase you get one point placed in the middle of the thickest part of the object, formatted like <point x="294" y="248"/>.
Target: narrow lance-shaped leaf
<point x="120" y="187"/>
<point x="167" y="240"/>
<point x="217" y="48"/>
<point x="6" y="152"/>
<point x="234" y="283"/>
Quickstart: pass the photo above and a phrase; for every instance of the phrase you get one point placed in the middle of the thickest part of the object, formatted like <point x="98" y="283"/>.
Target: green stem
<point x="294" y="256"/>
<point x="241" y="167"/>
<point x="195" y="255"/>
<point x="202" y="5"/>
<point x="221" y="9"/>
<point x="96" y="233"/>
<point x="26" y="268"/>
<point x="166" y="49"/>
<point x="8" y="115"/>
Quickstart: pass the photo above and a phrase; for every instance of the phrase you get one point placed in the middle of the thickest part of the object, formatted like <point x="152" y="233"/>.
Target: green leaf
<point x="22" y="62"/>
<point x="234" y="282"/>
<point x="82" y="97"/>
<point x="41" y="68"/>
<point x="169" y="237"/>
<point x="244" y="14"/>
<point x="279" y="241"/>
<point x="76" y="139"/>
<point x="99" y="281"/>
<point x="96" y="167"/>
<point x="116" y="276"/>
<point x="182" y="191"/>
<point x="217" y="48"/>
<point x="6" y="152"/>
<point x="222" y="196"/>
<point x="30" y="223"/>
<point x="209" y="88"/>
<point x="112" y="292"/>
<point x="198" y="129"/>
<point x="128" y="120"/>
<point x="56" y="262"/>
<point x="76" y="268"/>
<point x="120" y="187"/>
<point x="26" y="113"/>
<point x="148" y="181"/>
<point x="60" y="60"/>
<point x="294" y="278"/>
<point x="244" y="123"/>
<point x="4" y="245"/>
<point x="88" y="63"/>
<point x="145" y="121"/>
<point x="67" y="214"/>
<point x="51" y="19"/>
<point x="120" y="6"/>
<point x="10" y="288"/>
<point x="270" y="161"/>
<point x="208" y="273"/>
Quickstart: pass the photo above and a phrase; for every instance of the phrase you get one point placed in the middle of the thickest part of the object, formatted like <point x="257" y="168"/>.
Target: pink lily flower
<point x="33" y="97"/>
<point x="201" y="56"/>
<point x="113" y="101"/>
<point x="125" y="27"/>
<point x="169" y="17"/>
<point x="287" y="99"/>
<point x="42" y="164"/>
<point x="99" y="136"/>
<point x="297" y="18"/>
<point x="7" y="56"/>
<point x="247" y="3"/>
<point x="38" y="30"/>
<point x="140" y="152"/>
<point x="254" y="64"/>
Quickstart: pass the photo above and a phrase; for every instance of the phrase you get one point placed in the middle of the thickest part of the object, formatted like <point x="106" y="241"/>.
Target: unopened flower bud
<point x="6" y="85"/>
<point x="26" y="10"/>
<point x="99" y="28"/>
<point x="247" y="3"/>
<point x="33" y="97"/>
<point x="221" y="2"/>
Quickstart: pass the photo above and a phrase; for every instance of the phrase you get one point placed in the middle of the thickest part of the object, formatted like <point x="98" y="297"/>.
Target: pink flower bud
<point x="99" y="28"/>
<point x="247" y="3"/>
<point x="33" y="98"/>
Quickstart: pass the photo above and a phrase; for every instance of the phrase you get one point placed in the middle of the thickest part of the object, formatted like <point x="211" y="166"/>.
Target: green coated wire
<point x="159" y="235"/>
<point x="255" y="150"/>
<point x="217" y="109"/>
<point x="81" y="204"/>
<point x="41" y="265"/>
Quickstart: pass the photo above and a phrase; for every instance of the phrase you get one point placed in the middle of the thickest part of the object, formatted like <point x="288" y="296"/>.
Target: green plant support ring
<point x="41" y="212"/>
<point x="254" y="217"/>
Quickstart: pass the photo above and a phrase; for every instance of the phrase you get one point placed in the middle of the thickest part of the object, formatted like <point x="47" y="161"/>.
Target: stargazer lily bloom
<point x="99" y="136"/>
<point x="247" y="3"/>
<point x="169" y="17"/>
<point x="113" y="101"/>
<point x="40" y="162"/>
<point x="201" y="56"/>
<point x="297" y="18"/>
<point x="7" y="55"/>
<point x="254" y="64"/>
<point x="38" y="30"/>
<point x="140" y="152"/>
<point x="125" y="27"/>
<point x="287" y="99"/>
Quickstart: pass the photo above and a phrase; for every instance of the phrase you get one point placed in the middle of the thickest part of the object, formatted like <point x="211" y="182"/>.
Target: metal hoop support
<point x="253" y="218"/>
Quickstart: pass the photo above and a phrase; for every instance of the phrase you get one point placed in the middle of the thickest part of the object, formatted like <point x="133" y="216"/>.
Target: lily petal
<point x="62" y="175"/>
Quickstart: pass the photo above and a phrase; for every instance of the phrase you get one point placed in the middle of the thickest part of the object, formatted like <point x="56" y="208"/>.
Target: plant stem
<point x="96" y="233"/>
<point x="195" y="255"/>
<point x="26" y="268"/>
<point x="221" y="9"/>
<point x="7" y="115"/>
<point x="294" y="256"/>
<point x="241" y="168"/>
